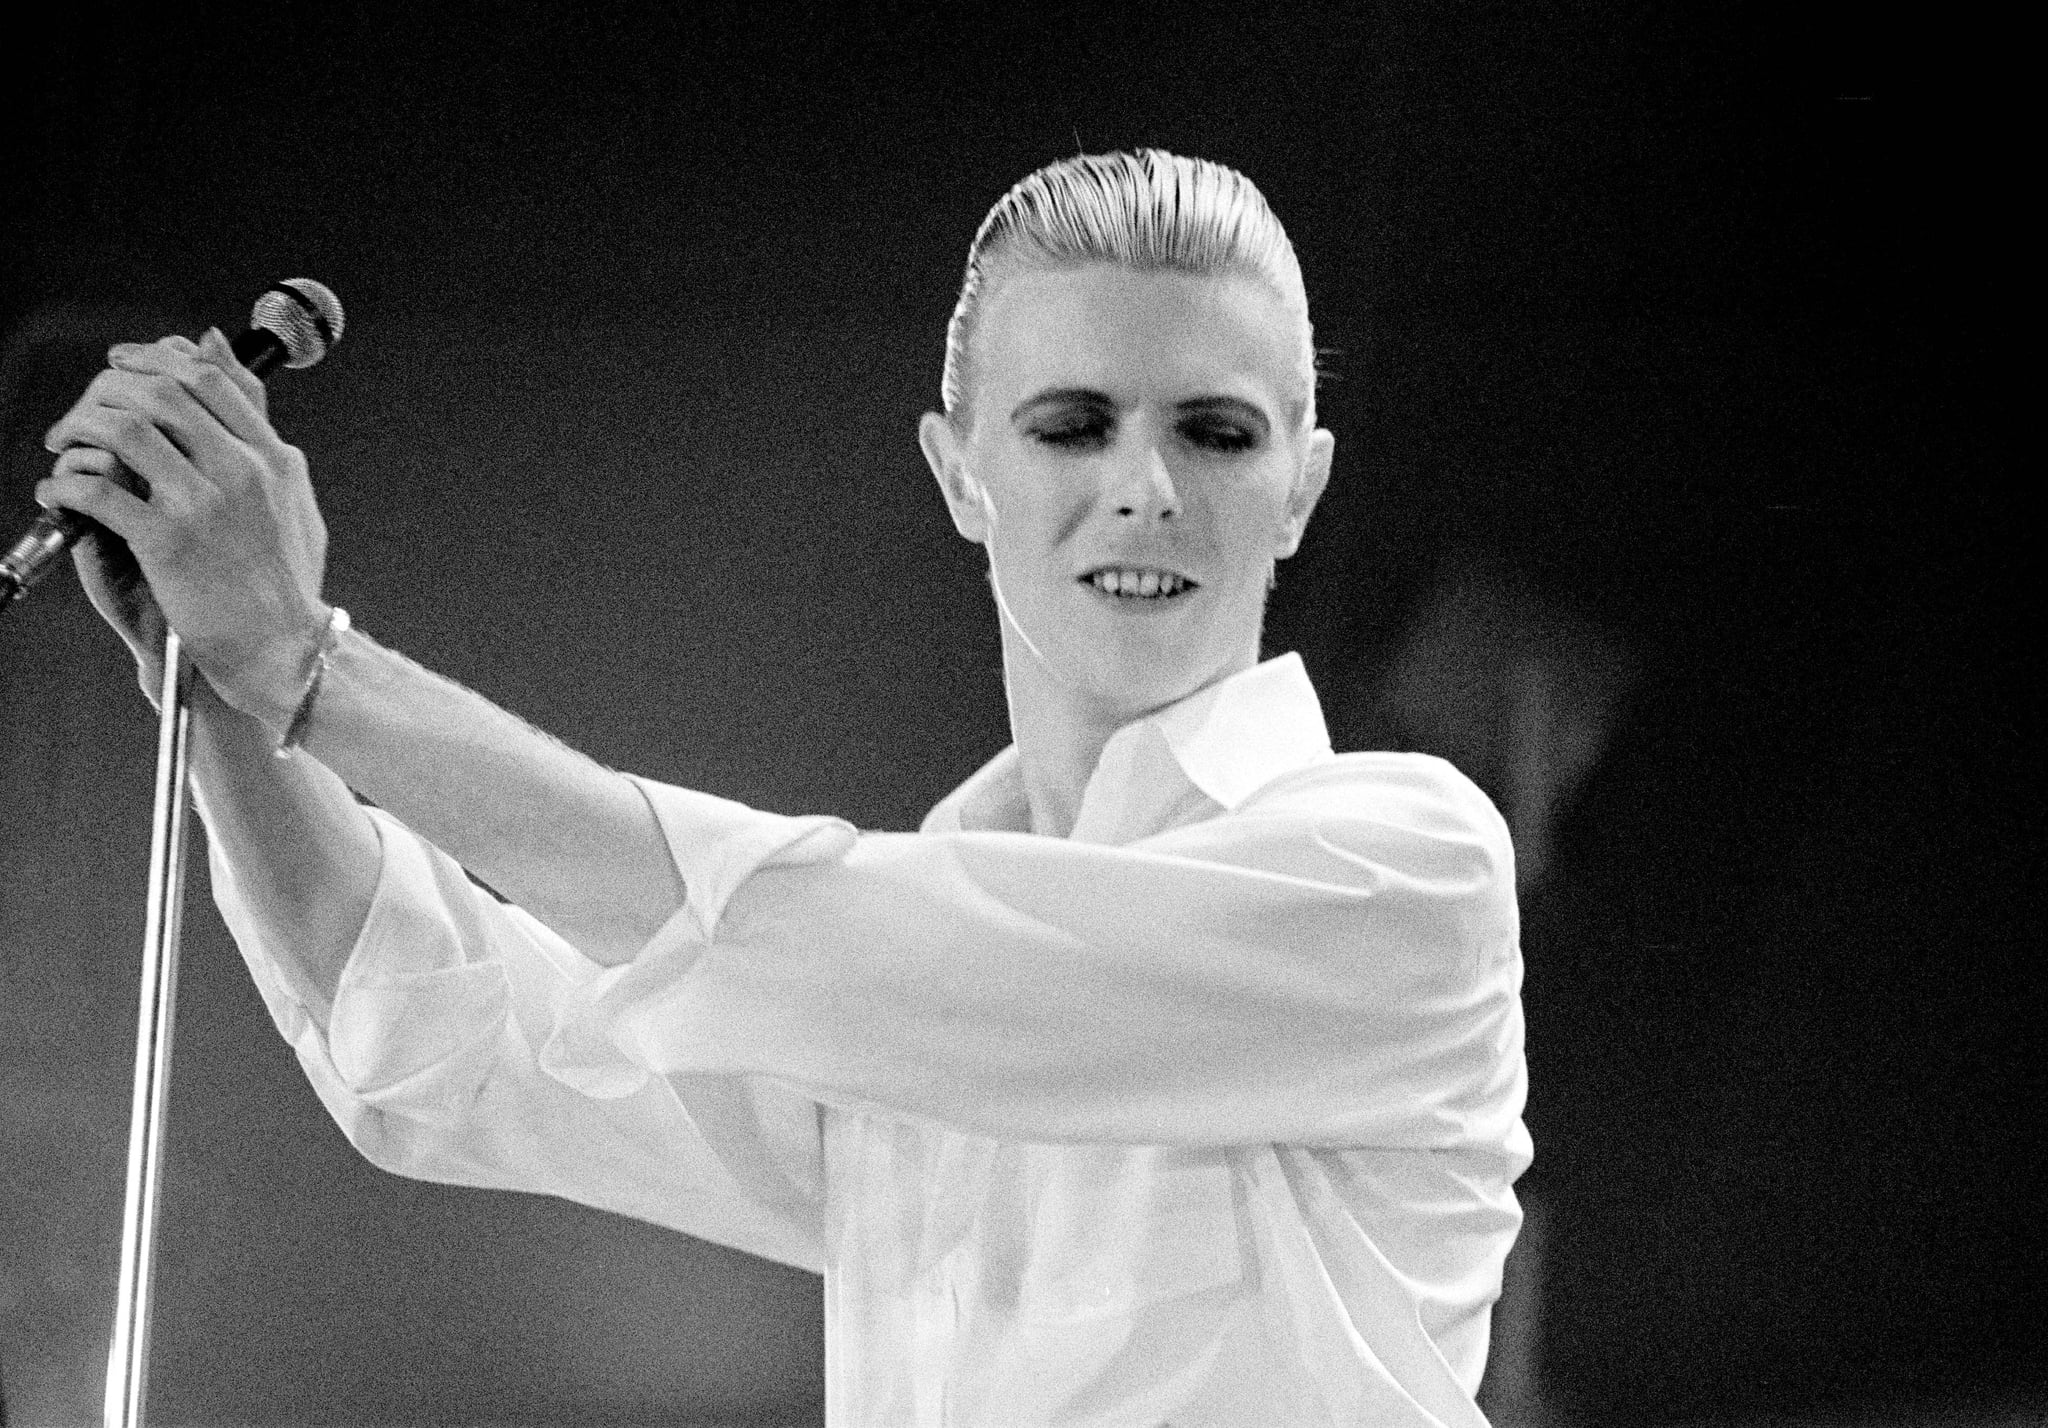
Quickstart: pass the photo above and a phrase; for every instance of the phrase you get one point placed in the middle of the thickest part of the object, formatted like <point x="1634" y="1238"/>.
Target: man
<point x="1173" y="1072"/>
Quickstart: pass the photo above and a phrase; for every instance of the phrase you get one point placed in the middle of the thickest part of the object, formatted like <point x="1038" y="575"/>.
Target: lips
<point x="1139" y="582"/>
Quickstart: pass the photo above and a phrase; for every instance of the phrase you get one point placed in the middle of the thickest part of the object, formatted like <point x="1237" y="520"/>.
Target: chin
<point x="1124" y="669"/>
<point x="1131" y="686"/>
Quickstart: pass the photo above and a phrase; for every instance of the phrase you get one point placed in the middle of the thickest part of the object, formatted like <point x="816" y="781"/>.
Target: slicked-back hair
<point x="1148" y="210"/>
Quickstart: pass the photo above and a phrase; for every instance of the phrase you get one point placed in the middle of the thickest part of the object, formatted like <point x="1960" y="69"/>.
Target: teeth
<point x="1140" y="584"/>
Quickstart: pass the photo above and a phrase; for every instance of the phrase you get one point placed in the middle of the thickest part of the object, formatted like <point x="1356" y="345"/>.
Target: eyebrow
<point x="1059" y="396"/>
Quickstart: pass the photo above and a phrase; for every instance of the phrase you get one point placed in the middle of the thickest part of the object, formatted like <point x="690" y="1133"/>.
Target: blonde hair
<point x="1148" y="210"/>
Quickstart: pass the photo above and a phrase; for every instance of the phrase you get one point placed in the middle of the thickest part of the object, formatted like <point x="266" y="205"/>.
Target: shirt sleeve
<point x="428" y="1060"/>
<point x="1335" y="962"/>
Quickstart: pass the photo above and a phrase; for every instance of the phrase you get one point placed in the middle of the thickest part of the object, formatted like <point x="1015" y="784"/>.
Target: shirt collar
<point x="1226" y="740"/>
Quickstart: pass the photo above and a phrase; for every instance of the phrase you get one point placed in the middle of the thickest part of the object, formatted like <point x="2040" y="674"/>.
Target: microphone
<point x="293" y="324"/>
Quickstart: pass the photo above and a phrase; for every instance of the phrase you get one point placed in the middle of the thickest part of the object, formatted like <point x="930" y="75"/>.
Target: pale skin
<point x="1137" y="420"/>
<point x="1141" y="422"/>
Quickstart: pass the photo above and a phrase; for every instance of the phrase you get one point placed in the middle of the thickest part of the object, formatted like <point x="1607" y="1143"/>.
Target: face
<point x="1134" y="467"/>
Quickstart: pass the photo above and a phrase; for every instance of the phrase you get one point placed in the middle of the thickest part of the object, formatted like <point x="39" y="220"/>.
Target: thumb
<point x="215" y="348"/>
<point x="114" y="583"/>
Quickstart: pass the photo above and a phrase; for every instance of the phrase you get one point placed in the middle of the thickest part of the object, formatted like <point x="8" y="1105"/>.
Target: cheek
<point x="1249" y="524"/>
<point x="1036" y="505"/>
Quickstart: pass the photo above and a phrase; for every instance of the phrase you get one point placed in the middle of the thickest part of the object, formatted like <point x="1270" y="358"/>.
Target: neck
<point x="1059" y="739"/>
<point x="1060" y="733"/>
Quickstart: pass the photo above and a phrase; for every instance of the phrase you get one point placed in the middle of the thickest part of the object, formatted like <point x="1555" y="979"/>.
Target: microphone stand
<point x="128" y="1359"/>
<point x="294" y="324"/>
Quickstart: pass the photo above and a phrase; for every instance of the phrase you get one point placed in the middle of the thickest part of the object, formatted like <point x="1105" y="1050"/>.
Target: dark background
<point x="1691" y="329"/>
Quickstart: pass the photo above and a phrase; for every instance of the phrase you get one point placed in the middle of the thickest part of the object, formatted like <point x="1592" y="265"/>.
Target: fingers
<point x="117" y="387"/>
<point x="189" y="388"/>
<point x="138" y="433"/>
<point x="96" y="462"/>
<point x="215" y="348"/>
<point x="115" y="585"/>
<point x="221" y="535"/>
<point x="92" y="459"/>
<point x="211" y="373"/>
<point x="161" y="427"/>
<point x="99" y="495"/>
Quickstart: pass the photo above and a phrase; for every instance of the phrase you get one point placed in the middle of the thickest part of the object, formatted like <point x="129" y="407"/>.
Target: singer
<point x="1172" y="1071"/>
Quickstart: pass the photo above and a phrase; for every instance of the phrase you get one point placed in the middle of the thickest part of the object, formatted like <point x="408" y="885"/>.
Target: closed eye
<point x="1212" y="434"/>
<point x="1081" y="432"/>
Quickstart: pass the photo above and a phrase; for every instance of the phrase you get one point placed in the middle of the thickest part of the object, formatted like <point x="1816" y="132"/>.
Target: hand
<point x="224" y="539"/>
<point x="112" y="580"/>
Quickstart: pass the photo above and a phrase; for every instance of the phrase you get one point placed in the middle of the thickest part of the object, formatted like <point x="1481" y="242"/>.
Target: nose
<point x="1143" y="488"/>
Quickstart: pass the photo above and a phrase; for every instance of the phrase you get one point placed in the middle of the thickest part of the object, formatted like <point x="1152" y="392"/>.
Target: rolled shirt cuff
<point x="717" y="845"/>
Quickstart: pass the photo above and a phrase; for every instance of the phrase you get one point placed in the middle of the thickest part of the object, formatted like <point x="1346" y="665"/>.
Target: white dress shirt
<point x="1207" y="1114"/>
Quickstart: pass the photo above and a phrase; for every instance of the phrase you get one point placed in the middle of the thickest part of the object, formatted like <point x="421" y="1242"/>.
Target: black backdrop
<point x="1693" y="321"/>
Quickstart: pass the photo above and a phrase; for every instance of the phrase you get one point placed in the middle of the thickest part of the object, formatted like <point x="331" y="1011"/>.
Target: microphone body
<point x="294" y="324"/>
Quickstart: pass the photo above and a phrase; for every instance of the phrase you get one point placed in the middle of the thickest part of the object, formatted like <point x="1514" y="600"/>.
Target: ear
<point x="1309" y="481"/>
<point x="944" y="454"/>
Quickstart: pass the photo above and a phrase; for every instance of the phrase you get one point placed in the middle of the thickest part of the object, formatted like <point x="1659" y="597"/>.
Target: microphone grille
<point x="303" y="315"/>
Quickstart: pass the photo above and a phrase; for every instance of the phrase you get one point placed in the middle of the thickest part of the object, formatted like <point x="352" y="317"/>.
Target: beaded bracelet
<point x="337" y="621"/>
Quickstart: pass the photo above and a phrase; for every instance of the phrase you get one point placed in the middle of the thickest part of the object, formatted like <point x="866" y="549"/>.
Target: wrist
<point x="316" y="675"/>
<point x="271" y="684"/>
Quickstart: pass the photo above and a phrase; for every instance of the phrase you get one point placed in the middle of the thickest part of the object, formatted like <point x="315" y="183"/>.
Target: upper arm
<point x="1424" y="845"/>
<point x="1332" y="964"/>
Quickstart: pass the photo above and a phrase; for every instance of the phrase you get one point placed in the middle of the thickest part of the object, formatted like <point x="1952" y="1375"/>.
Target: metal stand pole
<point x="128" y="1360"/>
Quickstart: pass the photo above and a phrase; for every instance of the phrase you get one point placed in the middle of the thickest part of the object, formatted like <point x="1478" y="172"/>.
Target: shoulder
<point x="1411" y="809"/>
<point x="1419" y="789"/>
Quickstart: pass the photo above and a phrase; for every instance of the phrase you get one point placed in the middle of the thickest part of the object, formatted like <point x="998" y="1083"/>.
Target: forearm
<point x="228" y="548"/>
<point x="304" y="854"/>
<point x="569" y="840"/>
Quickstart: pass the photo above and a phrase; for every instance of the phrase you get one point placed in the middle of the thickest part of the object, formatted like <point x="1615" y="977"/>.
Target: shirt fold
<point x="1209" y="1113"/>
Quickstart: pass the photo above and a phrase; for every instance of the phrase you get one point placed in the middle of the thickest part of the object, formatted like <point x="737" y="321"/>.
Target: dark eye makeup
<point x="1075" y="430"/>
<point x="1079" y="420"/>
<point x="1093" y="431"/>
<point x="1212" y="434"/>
